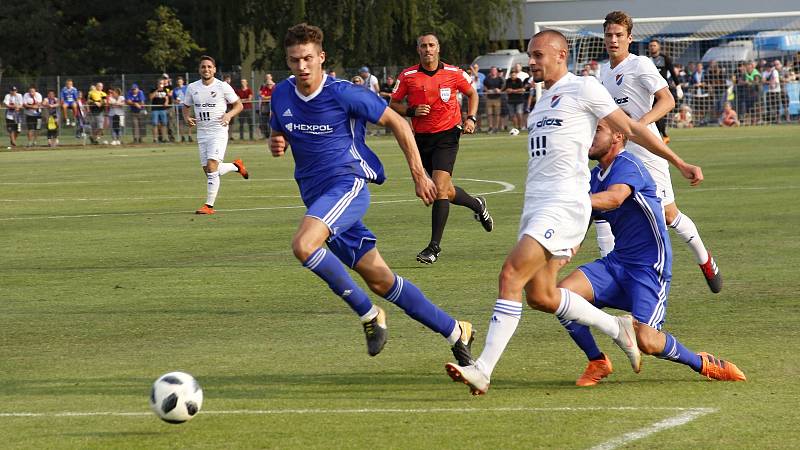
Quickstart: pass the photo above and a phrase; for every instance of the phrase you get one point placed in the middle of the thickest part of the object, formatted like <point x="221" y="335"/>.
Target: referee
<point x="431" y="89"/>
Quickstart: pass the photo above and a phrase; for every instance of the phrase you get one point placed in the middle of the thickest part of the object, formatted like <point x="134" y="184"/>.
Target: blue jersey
<point x="136" y="98"/>
<point x="178" y="94"/>
<point x="326" y="130"/>
<point x="69" y="95"/>
<point x="640" y="233"/>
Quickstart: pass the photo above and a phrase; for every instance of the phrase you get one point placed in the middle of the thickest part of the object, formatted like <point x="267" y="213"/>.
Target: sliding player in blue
<point x="323" y="121"/>
<point x="635" y="276"/>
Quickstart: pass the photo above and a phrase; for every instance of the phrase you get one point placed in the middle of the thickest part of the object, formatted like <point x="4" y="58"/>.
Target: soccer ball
<point x="513" y="131"/>
<point x="176" y="397"/>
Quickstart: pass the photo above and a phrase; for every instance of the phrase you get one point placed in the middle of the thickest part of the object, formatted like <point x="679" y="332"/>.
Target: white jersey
<point x="633" y="83"/>
<point x="210" y="103"/>
<point x="560" y="132"/>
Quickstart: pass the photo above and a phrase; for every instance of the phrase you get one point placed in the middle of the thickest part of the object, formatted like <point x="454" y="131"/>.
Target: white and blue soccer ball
<point x="513" y="132"/>
<point x="176" y="397"/>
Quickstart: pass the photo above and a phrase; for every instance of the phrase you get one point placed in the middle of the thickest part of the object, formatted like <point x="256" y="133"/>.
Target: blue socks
<point x="675" y="351"/>
<point x="583" y="337"/>
<point x="329" y="268"/>
<point x="411" y="300"/>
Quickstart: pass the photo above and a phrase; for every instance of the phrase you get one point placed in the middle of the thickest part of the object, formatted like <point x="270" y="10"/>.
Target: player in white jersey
<point x="557" y="207"/>
<point x="634" y="82"/>
<point x="210" y="97"/>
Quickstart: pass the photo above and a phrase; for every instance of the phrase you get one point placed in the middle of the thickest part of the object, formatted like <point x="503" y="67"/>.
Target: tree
<point x="170" y="43"/>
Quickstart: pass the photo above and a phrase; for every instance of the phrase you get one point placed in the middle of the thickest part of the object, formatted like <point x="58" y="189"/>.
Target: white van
<point x="503" y="60"/>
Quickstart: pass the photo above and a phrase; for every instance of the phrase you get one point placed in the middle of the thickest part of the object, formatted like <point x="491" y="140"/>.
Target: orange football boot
<point x="596" y="370"/>
<point x="240" y="167"/>
<point x="205" y="209"/>
<point x="719" y="369"/>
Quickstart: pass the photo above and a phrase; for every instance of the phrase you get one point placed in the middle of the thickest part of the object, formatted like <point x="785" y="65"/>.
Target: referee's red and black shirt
<point x="438" y="89"/>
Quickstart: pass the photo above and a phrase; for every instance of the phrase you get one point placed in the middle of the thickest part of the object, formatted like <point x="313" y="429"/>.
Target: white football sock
<point x="505" y="318"/>
<point x="455" y="335"/>
<point x="370" y="314"/>
<point x="576" y="308"/>
<point x="605" y="238"/>
<point x="687" y="230"/>
<point x="213" y="187"/>
<point x="226" y="167"/>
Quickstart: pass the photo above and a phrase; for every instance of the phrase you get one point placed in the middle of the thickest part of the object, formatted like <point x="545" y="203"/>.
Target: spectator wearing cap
<point x="370" y="81"/>
<point x="137" y="112"/>
<point x="13" y="106"/>
<point x="265" y="97"/>
<point x="32" y="104"/>
<point x="159" y="104"/>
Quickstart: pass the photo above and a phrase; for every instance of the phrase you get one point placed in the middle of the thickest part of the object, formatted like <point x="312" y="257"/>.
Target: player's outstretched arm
<point x="277" y="143"/>
<point x="664" y="103"/>
<point x="424" y="186"/>
<point x="639" y="134"/>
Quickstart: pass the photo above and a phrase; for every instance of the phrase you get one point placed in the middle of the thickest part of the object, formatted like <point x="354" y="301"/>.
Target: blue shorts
<point x="640" y="290"/>
<point x="340" y="204"/>
<point x="69" y="102"/>
<point x="159" y="116"/>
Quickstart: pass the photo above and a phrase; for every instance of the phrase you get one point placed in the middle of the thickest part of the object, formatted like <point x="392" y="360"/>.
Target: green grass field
<point x="109" y="280"/>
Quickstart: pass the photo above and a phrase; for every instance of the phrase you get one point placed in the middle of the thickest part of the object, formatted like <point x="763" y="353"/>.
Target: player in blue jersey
<point x="635" y="276"/>
<point x="323" y="120"/>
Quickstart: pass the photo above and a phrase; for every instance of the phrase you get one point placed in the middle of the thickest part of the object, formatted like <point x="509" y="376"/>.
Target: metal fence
<point x="697" y="107"/>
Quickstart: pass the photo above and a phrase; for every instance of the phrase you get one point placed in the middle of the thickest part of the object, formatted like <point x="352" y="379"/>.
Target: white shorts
<point x="663" y="181"/>
<point x="559" y="224"/>
<point x="212" y="147"/>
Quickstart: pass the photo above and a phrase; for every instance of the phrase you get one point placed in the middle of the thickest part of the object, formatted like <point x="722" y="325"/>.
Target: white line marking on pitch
<point x="694" y="412"/>
<point x="683" y="418"/>
<point x="506" y="187"/>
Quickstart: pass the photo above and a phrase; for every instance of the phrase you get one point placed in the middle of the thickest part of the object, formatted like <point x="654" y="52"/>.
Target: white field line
<point x="506" y="187"/>
<point x="682" y="418"/>
<point x="693" y="412"/>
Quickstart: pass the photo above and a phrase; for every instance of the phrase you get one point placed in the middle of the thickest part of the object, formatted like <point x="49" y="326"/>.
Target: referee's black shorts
<point x="438" y="150"/>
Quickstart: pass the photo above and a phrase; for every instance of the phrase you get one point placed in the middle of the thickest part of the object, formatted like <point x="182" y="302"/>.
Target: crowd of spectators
<point x="749" y="93"/>
<point x="101" y="112"/>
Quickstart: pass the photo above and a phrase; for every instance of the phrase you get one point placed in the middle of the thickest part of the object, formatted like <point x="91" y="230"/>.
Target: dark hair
<point x="208" y="58"/>
<point x="428" y="33"/>
<point x="303" y="33"/>
<point x="619" y="18"/>
<point x="655" y="40"/>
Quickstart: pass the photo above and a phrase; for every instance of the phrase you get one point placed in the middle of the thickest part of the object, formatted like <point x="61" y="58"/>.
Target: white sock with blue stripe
<point x="576" y="308"/>
<point x="213" y="188"/>
<point x="505" y="317"/>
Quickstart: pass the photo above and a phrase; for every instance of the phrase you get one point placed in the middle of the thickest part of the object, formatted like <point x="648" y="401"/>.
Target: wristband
<point x="473" y="119"/>
<point x="411" y="111"/>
